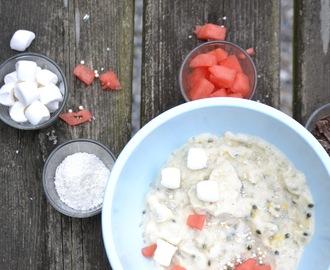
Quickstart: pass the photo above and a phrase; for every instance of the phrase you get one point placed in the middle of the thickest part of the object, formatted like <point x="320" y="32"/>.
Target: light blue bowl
<point x="144" y="155"/>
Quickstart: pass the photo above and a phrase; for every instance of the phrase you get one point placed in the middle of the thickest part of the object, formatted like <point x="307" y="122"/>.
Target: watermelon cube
<point x="202" y="89"/>
<point x="220" y="54"/>
<point x="232" y="62"/>
<point x="110" y="81"/>
<point x="210" y="31"/>
<point x="197" y="74"/>
<point x="219" y="93"/>
<point x="241" y="84"/>
<point x="203" y="60"/>
<point x="83" y="73"/>
<point x="224" y="76"/>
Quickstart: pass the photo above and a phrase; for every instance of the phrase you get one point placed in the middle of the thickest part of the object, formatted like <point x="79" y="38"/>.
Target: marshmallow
<point x="11" y="77"/>
<point x="7" y="94"/>
<point x="53" y="106"/>
<point x="171" y="177"/>
<point x="37" y="113"/>
<point x="26" y="70"/>
<point x="21" y="40"/>
<point x="50" y="93"/>
<point x="45" y="76"/>
<point x="16" y="112"/>
<point x="208" y="191"/>
<point x="27" y="92"/>
<point x="164" y="252"/>
<point x="196" y="159"/>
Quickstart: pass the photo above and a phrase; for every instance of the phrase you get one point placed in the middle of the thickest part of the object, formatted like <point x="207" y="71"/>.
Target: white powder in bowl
<point x="80" y="181"/>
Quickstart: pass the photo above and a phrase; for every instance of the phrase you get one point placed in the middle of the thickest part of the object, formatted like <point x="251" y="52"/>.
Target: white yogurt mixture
<point x="257" y="205"/>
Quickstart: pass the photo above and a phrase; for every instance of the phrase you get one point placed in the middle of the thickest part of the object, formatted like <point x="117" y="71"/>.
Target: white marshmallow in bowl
<point x="45" y="76"/>
<point x="50" y="93"/>
<point x="21" y="40"/>
<point x="164" y="252"/>
<point x="208" y="191"/>
<point x="171" y="177"/>
<point x="7" y="94"/>
<point x="37" y="113"/>
<point x="196" y="159"/>
<point x="53" y="106"/>
<point x="11" y="77"/>
<point x="16" y="112"/>
<point x="26" y="70"/>
<point x="26" y="92"/>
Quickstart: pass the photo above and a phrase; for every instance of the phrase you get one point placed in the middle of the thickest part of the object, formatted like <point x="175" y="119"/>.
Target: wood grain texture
<point x="33" y="234"/>
<point x="249" y="23"/>
<point x="311" y="76"/>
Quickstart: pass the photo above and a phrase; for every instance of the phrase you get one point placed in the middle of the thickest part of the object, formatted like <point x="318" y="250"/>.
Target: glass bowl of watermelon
<point x="33" y="91"/>
<point x="217" y="69"/>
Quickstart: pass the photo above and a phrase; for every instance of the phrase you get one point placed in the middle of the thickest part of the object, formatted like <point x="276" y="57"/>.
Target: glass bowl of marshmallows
<point x="33" y="91"/>
<point x="75" y="176"/>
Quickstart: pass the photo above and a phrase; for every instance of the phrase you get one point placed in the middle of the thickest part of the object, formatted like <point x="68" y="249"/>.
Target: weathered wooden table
<point x="33" y="234"/>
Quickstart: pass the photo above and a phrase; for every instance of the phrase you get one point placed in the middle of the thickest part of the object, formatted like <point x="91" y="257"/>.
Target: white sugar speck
<point x="86" y="18"/>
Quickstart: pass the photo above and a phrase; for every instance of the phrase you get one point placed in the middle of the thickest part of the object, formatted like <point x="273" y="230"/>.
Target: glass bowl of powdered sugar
<point x="75" y="175"/>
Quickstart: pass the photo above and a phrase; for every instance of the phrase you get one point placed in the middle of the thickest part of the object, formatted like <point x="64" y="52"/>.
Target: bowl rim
<point x="224" y="42"/>
<point x="312" y="119"/>
<point x="83" y="214"/>
<point x="55" y="114"/>
<point x="131" y="146"/>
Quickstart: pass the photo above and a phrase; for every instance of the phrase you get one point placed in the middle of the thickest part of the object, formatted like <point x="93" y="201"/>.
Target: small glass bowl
<point x="44" y="62"/>
<point x="317" y="115"/>
<point x="56" y="158"/>
<point x="244" y="59"/>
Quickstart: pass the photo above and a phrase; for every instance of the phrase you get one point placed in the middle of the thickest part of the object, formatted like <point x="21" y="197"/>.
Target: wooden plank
<point x="33" y="234"/>
<point x="311" y="62"/>
<point x="249" y="23"/>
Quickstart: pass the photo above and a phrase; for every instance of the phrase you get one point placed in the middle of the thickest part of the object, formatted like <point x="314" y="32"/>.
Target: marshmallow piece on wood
<point x="171" y="177"/>
<point x="53" y="106"/>
<point x="45" y="76"/>
<point x="21" y="40"/>
<point x="26" y="92"/>
<point x="208" y="191"/>
<point x="37" y="113"/>
<point x="7" y="94"/>
<point x="50" y="93"/>
<point x="16" y="112"/>
<point x="26" y="70"/>
<point x="164" y="252"/>
<point x="11" y="78"/>
<point x="196" y="159"/>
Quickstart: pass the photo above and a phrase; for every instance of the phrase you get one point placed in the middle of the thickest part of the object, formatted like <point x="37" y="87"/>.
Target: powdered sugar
<point x="80" y="181"/>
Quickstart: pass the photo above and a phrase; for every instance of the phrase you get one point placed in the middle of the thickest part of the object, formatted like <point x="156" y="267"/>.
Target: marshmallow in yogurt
<point x="21" y="40"/>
